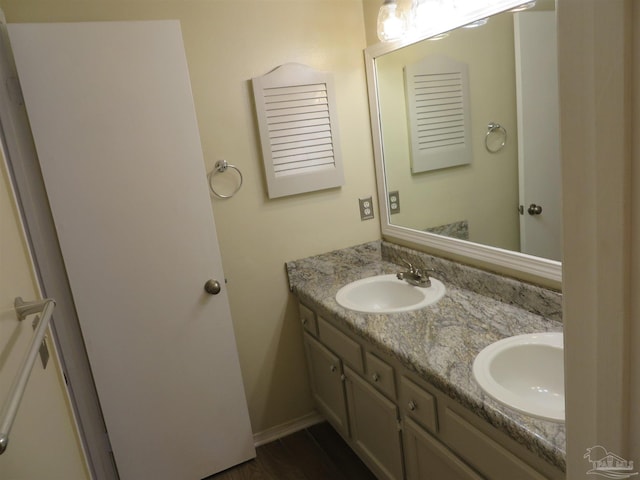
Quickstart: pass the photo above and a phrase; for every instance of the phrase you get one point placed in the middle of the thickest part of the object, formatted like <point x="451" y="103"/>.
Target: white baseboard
<point x="287" y="428"/>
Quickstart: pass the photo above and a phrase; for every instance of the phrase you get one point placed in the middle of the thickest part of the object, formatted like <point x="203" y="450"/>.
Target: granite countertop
<point x="439" y="342"/>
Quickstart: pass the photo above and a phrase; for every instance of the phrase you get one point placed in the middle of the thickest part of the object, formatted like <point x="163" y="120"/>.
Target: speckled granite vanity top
<point x="440" y="342"/>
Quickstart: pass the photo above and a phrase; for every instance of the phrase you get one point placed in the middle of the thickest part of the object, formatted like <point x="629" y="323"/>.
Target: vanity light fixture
<point x="395" y="23"/>
<point x="524" y="6"/>
<point x="438" y="37"/>
<point x="391" y="22"/>
<point x="477" y="23"/>
<point x="425" y="12"/>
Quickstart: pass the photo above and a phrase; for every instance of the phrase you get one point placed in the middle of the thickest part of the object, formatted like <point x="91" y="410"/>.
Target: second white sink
<point x="387" y="294"/>
<point x="525" y="372"/>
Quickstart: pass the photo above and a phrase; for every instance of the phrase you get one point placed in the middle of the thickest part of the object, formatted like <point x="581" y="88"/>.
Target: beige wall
<point x="227" y="43"/>
<point x="485" y="192"/>
<point x="44" y="427"/>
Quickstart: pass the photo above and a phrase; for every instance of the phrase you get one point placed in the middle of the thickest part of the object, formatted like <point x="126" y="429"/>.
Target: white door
<point x="114" y="125"/>
<point x="538" y="134"/>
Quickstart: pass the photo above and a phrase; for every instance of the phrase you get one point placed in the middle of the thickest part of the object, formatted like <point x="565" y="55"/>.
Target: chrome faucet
<point x="416" y="276"/>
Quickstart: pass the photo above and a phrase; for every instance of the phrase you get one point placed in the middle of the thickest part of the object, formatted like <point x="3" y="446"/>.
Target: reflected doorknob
<point x="212" y="287"/>
<point x="534" y="209"/>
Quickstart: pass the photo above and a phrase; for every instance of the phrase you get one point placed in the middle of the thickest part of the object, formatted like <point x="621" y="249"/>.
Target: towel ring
<point x="221" y="166"/>
<point x="495" y="128"/>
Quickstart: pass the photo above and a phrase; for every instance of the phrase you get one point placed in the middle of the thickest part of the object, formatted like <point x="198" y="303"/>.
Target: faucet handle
<point x="433" y="270"/>
<point x="412" y="269"/>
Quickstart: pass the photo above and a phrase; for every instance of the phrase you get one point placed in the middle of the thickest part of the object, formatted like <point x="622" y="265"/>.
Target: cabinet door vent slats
<point x="439" y="102"/>
<point x="439" y="119"/>
<point x="297" y="119"/>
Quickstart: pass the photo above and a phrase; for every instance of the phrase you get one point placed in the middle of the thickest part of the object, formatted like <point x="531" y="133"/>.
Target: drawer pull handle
<point x="375" y="377"/>
<point x="333" y="368"/>
<point x="412" y="405"/>
<point x="305" y="321"/>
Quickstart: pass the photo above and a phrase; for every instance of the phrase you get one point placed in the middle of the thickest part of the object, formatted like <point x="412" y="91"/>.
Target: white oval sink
<point x="387" y="294"/>
<point x="526" y="373"/>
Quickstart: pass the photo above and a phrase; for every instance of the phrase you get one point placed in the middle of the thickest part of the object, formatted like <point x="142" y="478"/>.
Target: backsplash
<point x="535" y="299"/>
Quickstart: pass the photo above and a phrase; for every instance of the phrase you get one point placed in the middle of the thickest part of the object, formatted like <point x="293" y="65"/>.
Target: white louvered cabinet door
<point x="437" y="90"/>
<point x="296" y="111"/>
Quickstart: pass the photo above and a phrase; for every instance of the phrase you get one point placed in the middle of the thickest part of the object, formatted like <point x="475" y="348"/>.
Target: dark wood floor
<point x="317" y="453"/>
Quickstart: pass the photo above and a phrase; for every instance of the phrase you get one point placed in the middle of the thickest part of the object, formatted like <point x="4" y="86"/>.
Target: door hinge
<point x="14" y="90"/>
<point x="108" y="441"/>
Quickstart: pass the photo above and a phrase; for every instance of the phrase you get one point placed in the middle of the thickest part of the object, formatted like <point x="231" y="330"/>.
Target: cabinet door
<point x="327" y="384"/>
<point x="481" y="450"/>
<point x="427" y="459"/>
<point x="374" y="427"/>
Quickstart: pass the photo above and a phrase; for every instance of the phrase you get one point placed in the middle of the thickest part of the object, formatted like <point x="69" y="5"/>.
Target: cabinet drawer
<point x="418" y="404"/>
<point x="381" y="375"/>
<point x="308" y="319"/>
<point x="486" y="455"/>
<point x="341" y="345"/>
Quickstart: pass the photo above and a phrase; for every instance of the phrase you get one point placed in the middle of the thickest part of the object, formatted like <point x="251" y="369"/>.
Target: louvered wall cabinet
<point x="298" y="123"/>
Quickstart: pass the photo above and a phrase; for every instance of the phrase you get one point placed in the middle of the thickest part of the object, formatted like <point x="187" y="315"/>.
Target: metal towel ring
<point x="221" y="166"/>
<point x="495" y="128"/>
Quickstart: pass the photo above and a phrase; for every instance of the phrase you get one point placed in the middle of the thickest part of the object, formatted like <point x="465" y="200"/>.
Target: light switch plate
<point x="366" y="208"/>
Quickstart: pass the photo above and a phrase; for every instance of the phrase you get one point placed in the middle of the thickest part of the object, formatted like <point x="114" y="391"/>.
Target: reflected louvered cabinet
<point x="297" y="118"/>
<point x="439" y="113"/>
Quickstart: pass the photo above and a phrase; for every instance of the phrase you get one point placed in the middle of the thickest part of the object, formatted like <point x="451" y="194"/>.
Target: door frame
<point x="24" y="170"/>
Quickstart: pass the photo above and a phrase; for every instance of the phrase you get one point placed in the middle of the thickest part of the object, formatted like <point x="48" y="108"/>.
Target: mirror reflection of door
<point x="538" y="139"/>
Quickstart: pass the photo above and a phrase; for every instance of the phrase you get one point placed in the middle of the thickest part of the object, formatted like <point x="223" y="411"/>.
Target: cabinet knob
<point x="333" y="368"/>
<point x="412" y="405"/>
<point x="375" y="377"/>
<point x="305" y="321"/>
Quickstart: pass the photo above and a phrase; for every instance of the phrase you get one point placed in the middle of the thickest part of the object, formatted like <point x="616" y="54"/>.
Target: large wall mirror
<point x="466" y="138"/>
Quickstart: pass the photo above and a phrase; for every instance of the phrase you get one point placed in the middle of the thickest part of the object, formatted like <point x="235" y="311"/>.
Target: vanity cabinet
<point x="400" y="425"/>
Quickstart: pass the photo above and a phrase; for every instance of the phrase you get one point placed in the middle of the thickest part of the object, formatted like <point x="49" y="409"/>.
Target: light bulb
<point x="391" y="22"/>
<point x="427" y="13"/>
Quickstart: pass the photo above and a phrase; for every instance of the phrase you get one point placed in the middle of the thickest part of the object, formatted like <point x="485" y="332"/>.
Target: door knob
<point x="212" y="287"/>
<point x="534" y="209"/>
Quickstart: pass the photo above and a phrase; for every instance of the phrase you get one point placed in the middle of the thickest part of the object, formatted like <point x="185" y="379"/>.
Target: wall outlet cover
<point x="366" y="208"/>
<point x="394" y="202"/>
